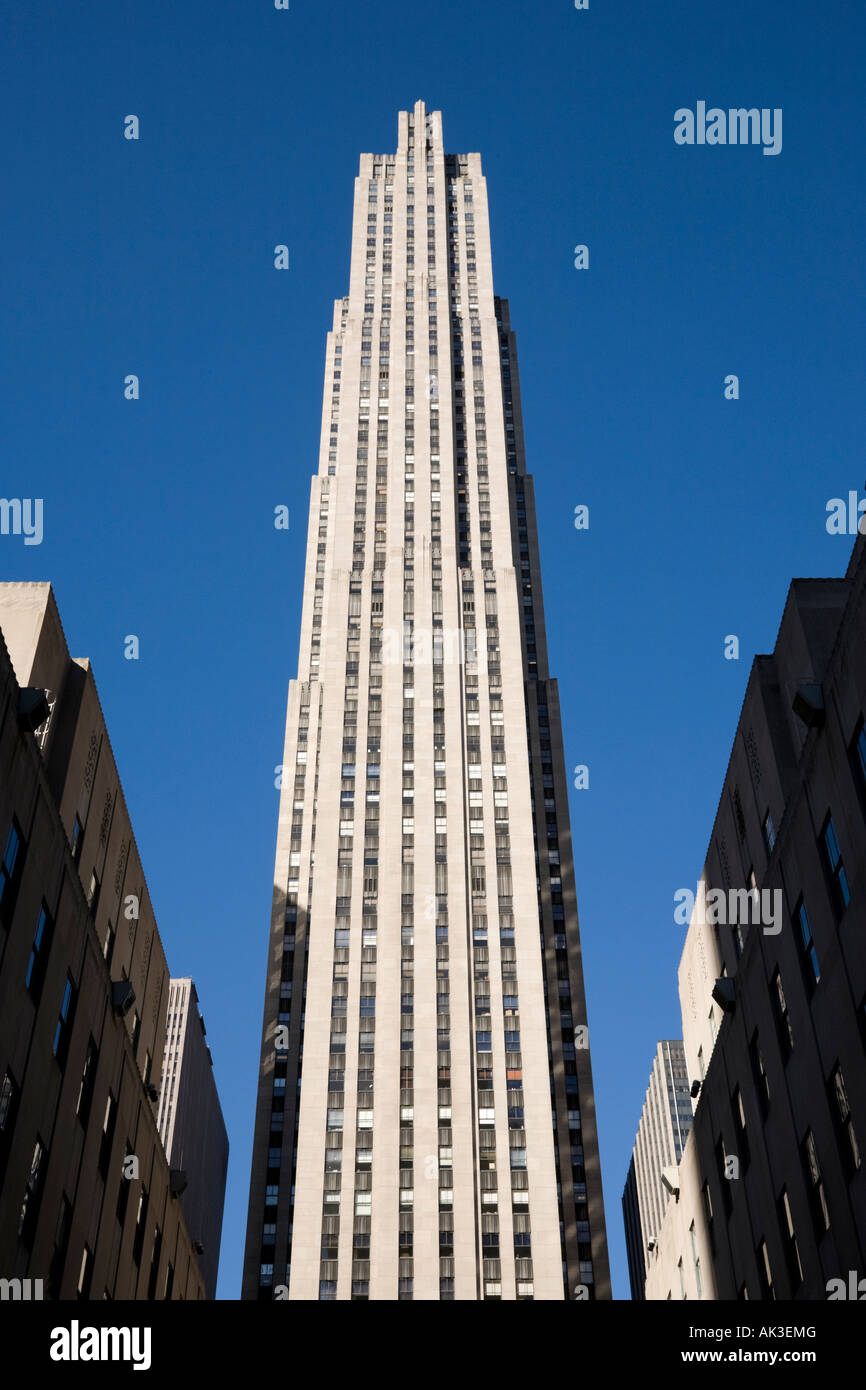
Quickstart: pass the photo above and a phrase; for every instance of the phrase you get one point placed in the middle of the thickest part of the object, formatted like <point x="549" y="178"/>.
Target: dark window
<point x="108" y="1126"/>
<point x="85" y="1274"/>
<point x="140" y="1224"/>
<point x="838" y="879"/>
<point x="858" y="757"/>
<point x="64" y="1022"/>
<point x="843" y="1121"/>
<point x="10" y="871"/>
<point x="769" y="833"/>
<point x="765" y="1272"/>
<point x="32" y="1195"/>
<point x="123" y="1191"/>
<point x="77" y="839"/>
<point x="789" y="1241"/>
<point x="808" y="954"/>
<point x="815" y="1184"/>
<point x="9" y="1096"/>
<point x="739" y="1114"/>
<point x="783" y="1019"/>
<point x="708" y="1212"/>
<point x="93" y="893"/>
<point x="61" y="1245"/>
<point x="35" y="975"/>
<point x="154" y="1263"/>
<point x="88" y="1081"/>
<point x="759" y="1074"/>
<point x="721" y="1167"/>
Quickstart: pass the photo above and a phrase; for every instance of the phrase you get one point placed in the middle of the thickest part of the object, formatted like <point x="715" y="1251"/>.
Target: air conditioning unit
<point x="33" y="709"/>
<point x="122" y="997"/>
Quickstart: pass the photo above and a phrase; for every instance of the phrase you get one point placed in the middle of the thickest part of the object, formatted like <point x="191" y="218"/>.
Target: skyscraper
<point x="665" y="1123"/>
<point x="191" y="1125"/>
<point x="424" y="1011"/>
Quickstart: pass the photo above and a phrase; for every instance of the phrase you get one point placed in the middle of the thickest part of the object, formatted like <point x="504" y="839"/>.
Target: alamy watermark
<point x="762" y="907"/>
<point x="22" y="516"/>
<point x="846" y="518"/>
<point x="736" y="126"/>
<point x="421" y="646"/>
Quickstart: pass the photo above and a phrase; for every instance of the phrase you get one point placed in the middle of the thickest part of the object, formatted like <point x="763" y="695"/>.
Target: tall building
<point x="191" y="1125"/>
<point x="664" y="1127"/>
<point x="424" y="1010"/>
<point x="771" y="1191"/>
<point x="87" y="1196"/>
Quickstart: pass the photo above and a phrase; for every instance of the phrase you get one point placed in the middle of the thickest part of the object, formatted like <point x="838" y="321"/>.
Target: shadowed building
<point x="772" y="1192"/>
<point x="86" y="1202"/>
<point x="664" y="1128"/>
<point x="192" y="1127"/>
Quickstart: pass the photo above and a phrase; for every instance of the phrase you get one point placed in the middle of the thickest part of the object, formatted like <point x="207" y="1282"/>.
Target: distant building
<point x="85" y="1189"/>
<point x="664" y="1128"/>
<point x="192" y="1127"/>
<point x="634" y="1239"/>
<point x="772" y="1190"/>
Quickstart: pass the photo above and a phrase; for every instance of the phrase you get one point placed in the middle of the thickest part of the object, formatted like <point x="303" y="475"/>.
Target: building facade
<point x="191" y="1125"/>
<point x="424" y="1015"/>
<point x="773" y="977"/>
<point x="665" y="1123"/>
<point x="86" y="1201"/>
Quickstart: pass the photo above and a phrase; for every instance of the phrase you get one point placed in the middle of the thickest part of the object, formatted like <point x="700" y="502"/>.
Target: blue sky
<point x="156" y="257"/>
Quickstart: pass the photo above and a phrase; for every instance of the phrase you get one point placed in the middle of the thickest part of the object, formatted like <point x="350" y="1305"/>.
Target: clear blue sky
<point x="156" y="258"/>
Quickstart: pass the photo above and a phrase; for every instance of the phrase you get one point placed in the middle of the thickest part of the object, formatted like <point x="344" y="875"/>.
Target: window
<point x="108" y="1124"/>
<point x="724" y="1179"/>
<point x="769" y="833"/>
<point x="858" y="755"/>
<point x="140" y="1224"/>
<point x="85" y="1274"/>
<point x="765" y="1273"/>
<point x="64" y="1022"/>
<point x="759" y="1074"/>
<point x="39" y="954"/>
<point x="789" y="1241"/>
<point x="61" y="1245"/>
<point x="32" y="1195"/>
<point x="88" y="1081"/>
<point x="838" y="879"/>
<point x="739" y="1114"/>
<point x="783" y="1021"/>
<point x="9" y="1095"/>
<point x="815" y="1184"/>
<point x="10" y="870"/>
<point x="77" y="839"/>
<point x="844" y="1121"/>
<point x="708" y="1212"/>
<point x="808" y="954"/>
<point x="93" y="893"/>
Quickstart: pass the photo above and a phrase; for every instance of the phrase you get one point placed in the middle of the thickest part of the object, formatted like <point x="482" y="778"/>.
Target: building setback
<point x="772" y="1189"/>
<point x="424" y="1009"/>
<point x="191" y="1125"/>
<point x="664" y="1127"/>
<point x="83" y="993"/>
